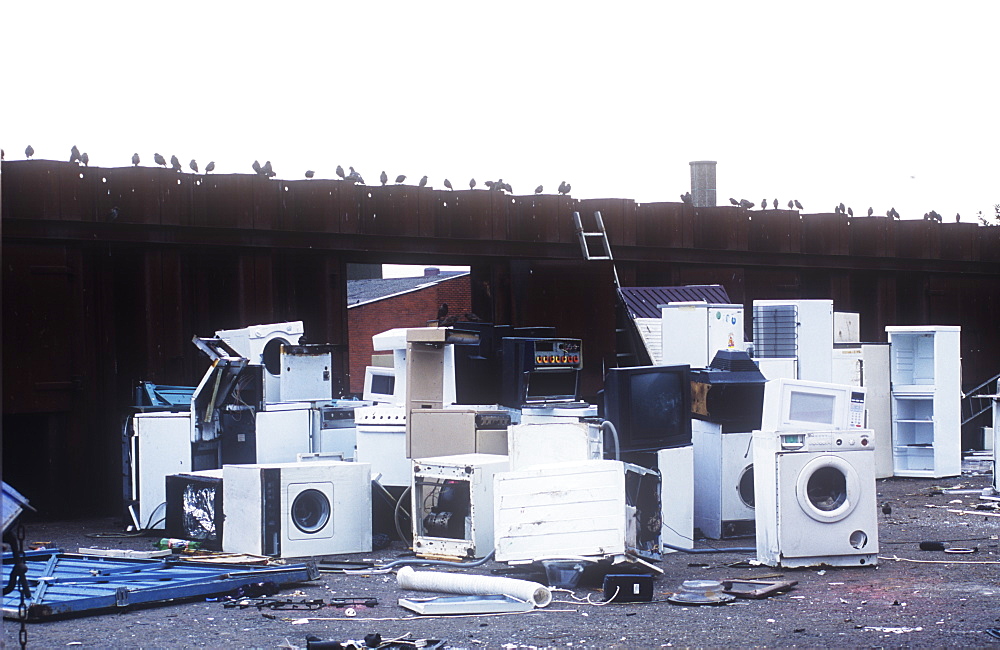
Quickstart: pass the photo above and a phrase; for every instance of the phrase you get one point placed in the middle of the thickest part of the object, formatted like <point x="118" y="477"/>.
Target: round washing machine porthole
<point x="310" y="511"/>
<point x="745" y="486"/>
<point x="828" y="488"/>
<point x="271" y="355"/>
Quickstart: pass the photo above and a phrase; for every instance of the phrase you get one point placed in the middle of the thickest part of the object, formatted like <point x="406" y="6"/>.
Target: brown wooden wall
<point x="94" y="304"/>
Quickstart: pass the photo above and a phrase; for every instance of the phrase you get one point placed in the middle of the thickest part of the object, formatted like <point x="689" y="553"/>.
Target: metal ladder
<point x="979" y="400"/>
<point x="601" y="235"/>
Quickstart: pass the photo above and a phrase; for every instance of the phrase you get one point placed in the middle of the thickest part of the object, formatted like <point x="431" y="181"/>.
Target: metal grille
<point x="775" y="332"/>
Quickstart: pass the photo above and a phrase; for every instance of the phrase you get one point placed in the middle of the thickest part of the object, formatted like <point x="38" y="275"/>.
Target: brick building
<point x="377" y="305"/>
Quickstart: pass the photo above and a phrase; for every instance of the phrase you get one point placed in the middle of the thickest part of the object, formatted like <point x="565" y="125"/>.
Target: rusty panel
<point x="723" y="227"/>
<point x="989" y="243"/>
<point x="393" y="210"/>
<point x="223" y="201"/>
<point x="826" y="234"/>
<point x="176" y="200"/>
<point x="775" y="231"/>
<point x="670" y="225"/>
<point x="308" y="206"/>
<point x="40" y="323"/>
<point x="959" y="241"/>
<point x="353" y="205"/>
<point x="918" y="238"/>
<point x="532" y="218"/>
<point x="134" y="191"/>
<point x="267" y="203"/>
<point x="465" y="214"/>
<point x="619" y="216"/>
<point x="872" y="237"/>
<point x="37" y="183"/>
<point x="77" y="190"/>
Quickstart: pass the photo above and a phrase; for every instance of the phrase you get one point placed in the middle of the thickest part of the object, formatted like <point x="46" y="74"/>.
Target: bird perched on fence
<point x="310" y="173"/>
<point x="798" y="205"/>
<point x="400" y="178"/>
<point x="383" y="177"/>
<point x="748" y="205"/>
<point x="870" y="211"/>
<point x="85" y="159"/>
<point x="266" y="170"/>
<point x="776" y="204"/>
<point x="340" y="171"/>
<point x="763" y="204"/>
<point x="958" y="217"/>
<point x="193" y="165"/>
<point x="256" y="167"/>
<point x="74" y="154"/>
<point x="539" y="189"/>
<point x="791" y="205"/>
<point x="355" y="177"/>
<point x="842" y="208"/>
<point x="563" y="187"/>
<point x="447" y="184"/>
<point x="135" y="160"/>
<point x="175" y="164"/>
<point x="210" y="167"/>
<point x="423" y="181"/>
<point x="159" y="160"/>
<point x="489" y="184"/>
<point x="733" y="201"/>
<point x="892" y="213"/>
<point x="850" y="212"/>
<point x="29" y="151"/>
<point x="472" y="184"/>
<point x="687" y="198"/>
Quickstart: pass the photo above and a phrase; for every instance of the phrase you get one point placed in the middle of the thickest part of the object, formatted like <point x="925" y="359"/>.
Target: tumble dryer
<point x="815" y="497"/>
<point x="261" y="345"/>
<point x="297" y="509"/>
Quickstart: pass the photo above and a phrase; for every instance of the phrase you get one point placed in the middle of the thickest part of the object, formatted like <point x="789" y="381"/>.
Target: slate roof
<point x="643" y="302"/>
<point x="360" y="292"/>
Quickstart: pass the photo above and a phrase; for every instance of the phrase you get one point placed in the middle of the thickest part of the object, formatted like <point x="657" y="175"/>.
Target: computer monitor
<point x="649" y="406"/>
<point x="800" y="405"/>
<point x="380" y="385"/>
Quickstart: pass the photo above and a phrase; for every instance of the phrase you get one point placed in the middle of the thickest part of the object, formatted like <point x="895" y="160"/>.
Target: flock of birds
<point x="266" y="170"/>
<point x="498" y="185"/>
<point x="837" y="209"/>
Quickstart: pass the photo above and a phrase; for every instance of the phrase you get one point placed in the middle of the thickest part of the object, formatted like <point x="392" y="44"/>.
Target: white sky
<point x="868" y="103"/>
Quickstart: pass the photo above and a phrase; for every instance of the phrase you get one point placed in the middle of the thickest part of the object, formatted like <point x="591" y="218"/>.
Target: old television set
<point x="801" y="405"/>
<point x="540" y="371"/>
<point x="380" y="385"/>
<point x="649" y="406"/>
<point x="194" y="507"/>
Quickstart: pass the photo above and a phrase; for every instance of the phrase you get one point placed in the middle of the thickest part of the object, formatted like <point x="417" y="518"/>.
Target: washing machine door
<point x="310" y="511"/>
<point x="828" y="488"/>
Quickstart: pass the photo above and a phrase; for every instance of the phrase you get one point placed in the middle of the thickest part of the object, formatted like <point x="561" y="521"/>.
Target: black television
<point x="649" y="406"/>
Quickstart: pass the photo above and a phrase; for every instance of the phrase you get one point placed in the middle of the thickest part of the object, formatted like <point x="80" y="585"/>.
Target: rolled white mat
<point x="460" y="583"/>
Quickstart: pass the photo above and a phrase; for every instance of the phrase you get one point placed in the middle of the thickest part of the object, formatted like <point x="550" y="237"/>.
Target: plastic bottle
<point x="177" y="545"/>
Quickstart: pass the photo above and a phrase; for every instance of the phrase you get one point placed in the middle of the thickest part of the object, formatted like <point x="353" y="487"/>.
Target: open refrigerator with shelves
<point x="925" y="371"/>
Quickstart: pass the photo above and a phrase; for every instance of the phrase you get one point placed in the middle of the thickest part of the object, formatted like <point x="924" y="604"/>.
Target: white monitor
<point x="799" y="405"/>
<point x="382" y="385"/>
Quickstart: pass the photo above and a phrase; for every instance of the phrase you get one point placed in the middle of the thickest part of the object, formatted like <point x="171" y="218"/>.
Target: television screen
<point x="649" y="406"/>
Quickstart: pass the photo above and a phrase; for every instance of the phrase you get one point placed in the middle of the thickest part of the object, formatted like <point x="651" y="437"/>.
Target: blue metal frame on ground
<point x="64" y="584"/>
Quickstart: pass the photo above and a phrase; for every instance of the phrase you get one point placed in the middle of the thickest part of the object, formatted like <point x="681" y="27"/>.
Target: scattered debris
<point x="757" y="588"/>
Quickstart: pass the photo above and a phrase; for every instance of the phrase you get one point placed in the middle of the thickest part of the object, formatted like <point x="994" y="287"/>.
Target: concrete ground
<point x="912" y="599"/>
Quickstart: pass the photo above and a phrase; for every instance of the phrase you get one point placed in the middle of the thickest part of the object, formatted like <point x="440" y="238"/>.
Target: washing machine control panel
<point x="844" y="440"/>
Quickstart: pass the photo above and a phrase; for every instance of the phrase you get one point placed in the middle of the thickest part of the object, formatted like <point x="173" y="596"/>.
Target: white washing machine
<point x="815" y="498"/>
<point x="261" y="345"/>
<point x="724" y="481"/>
<point x="297" y="509"/>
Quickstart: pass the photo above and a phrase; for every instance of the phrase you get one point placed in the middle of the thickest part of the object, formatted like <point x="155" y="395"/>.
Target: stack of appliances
<point x="648" y="409"/>
<point x="814" y="475"/>
<point x="727" y="401"/>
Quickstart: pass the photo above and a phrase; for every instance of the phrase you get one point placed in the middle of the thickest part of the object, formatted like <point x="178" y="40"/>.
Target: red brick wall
<point x="412" y="309"/>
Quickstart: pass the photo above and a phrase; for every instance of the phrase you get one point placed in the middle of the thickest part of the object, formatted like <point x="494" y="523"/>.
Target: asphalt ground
<point x="913" y="599"/>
